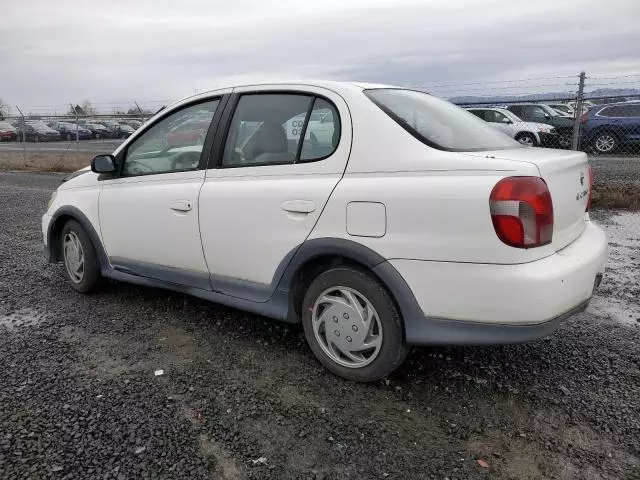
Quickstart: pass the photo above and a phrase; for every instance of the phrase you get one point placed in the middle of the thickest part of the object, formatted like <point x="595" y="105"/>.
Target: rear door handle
<point x="181" y="205"/>
<point x="299" y="206"/>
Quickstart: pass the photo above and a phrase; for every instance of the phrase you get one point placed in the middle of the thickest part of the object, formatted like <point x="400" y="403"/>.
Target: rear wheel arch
<point x="318" y="255"/>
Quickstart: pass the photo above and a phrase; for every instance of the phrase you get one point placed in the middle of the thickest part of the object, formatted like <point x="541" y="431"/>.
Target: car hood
<point x="535" y="126"/>
<point x="80" y="179"/>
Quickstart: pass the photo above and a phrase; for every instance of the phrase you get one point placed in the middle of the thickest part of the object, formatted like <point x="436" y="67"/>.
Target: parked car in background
<point x="528" y="133"/>
<point x="606" y="128"/>
<point x="563" y="108"/>
<point x="37" y="131"/>
<point x="69" y="130"/>
<point x="541" y="113"/>
<point x="125" y="130"/>
<point x="419" y="225"/>
<point x="8" y="132"/>
<point x="97" y="130"/>
<point x="113" y="128"/>
<point x="135" y="124"/>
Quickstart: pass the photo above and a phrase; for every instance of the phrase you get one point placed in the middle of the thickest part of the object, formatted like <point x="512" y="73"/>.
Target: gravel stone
<point x="77" y="399"/>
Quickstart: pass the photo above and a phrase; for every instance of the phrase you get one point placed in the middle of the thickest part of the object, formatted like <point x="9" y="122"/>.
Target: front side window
<point x="438" y="123"/>
<point x="173" y="144"/>
<point x="280" y="129"/>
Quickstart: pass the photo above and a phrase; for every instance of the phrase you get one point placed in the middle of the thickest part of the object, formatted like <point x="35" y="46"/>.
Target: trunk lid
<point x="566" y="173"/>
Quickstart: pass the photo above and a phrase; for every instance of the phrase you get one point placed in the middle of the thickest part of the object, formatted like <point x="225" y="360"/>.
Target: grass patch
<point x="616" y="194"/>
<point x="44" y="161"/>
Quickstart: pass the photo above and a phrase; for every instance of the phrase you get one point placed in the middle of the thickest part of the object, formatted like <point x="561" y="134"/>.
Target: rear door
<point x="268" y="185"/>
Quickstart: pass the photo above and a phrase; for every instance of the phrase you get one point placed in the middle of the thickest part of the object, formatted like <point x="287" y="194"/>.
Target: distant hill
<point x="609" y="94"/>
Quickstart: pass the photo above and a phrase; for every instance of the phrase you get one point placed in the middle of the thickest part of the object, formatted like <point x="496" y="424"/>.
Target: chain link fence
<point x="602" y="117"/>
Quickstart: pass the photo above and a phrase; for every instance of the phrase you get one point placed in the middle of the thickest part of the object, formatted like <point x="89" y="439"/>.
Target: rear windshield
<point x="438" y="123"/>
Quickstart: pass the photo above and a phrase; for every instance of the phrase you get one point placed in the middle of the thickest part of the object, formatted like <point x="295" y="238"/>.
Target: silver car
<point x="528" y="133"/>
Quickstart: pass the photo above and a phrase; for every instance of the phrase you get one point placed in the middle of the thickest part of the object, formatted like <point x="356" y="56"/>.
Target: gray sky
<point x="55" y="52"/>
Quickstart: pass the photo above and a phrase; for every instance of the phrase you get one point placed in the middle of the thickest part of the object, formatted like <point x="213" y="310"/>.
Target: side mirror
<point x="505" y="120"/>
<point x="547" y="116"/>
<point x="103" y="164"/>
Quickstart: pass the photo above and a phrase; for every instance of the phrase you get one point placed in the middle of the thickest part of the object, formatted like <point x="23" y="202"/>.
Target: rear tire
<point x="353" y="325"/>
<point x="81" y="266"/>
<point x="605" y="142"/>
<point x="527" y="139"/>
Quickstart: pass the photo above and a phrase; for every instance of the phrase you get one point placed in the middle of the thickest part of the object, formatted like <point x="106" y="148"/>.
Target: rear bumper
<point x="465" y="303"/>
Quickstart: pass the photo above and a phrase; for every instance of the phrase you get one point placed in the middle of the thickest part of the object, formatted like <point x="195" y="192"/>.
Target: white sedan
<point x="416" y="224"/>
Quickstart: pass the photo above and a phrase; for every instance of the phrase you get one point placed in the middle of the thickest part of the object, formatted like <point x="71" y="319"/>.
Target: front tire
<point x="81" y="266"/>
<point x="564" y="139"/>
<point x="527" y="139"/>
<point x="353" y="325"/>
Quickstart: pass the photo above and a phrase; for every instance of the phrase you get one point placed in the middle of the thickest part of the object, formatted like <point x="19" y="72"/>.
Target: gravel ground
<point x="242" y="397"/>
<point x="609" y="169"/>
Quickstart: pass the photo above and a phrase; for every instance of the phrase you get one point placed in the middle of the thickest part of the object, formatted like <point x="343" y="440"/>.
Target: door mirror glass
<point x="103" y="164"/>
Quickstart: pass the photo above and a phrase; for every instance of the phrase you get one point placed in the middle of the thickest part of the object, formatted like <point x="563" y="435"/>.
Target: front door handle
<point x="299" y="206"/>
<point x="181" y="205"/>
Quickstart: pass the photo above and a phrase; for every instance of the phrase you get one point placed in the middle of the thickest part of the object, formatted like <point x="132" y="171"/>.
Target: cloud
<point x="56" y="52"/>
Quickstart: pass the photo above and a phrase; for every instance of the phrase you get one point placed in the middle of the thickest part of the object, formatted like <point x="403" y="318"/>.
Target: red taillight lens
<point x="590" y="189"/>
<point x="522" y="211"/>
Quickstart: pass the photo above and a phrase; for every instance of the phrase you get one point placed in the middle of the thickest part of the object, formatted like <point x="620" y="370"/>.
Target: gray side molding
<point x="81" y="218"/>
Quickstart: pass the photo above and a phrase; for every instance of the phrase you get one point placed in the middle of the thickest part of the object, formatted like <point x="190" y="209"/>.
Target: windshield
<point x="438" y="123"/>
<point x="550" y="111"/>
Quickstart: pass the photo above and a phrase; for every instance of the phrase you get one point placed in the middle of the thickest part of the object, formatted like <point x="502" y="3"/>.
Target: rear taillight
<point x="583" y="118"/>
<point x="590" y="189"/>
<point x="522" y="211"/>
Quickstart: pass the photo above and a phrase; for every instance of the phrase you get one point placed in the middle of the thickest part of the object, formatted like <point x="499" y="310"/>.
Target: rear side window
<point x="438" y="123"/>
<point x="281" y="129"/>
<point x="479" y="113"/>
<point x="620" y="111"/>
<point x="516" y="109"/>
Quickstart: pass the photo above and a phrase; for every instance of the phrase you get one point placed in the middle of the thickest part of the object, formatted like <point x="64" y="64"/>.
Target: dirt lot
<point x="242" y="397"/>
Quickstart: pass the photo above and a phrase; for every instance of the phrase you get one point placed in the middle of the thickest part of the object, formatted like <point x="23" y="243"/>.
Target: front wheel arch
<point x="60" y="218"/>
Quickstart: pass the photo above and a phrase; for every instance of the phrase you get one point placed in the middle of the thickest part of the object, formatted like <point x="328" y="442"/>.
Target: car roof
<point x="333" y="85"/>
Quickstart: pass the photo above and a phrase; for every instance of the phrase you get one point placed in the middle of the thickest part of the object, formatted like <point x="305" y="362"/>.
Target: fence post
<point x="140" y="110"/>
<point x="578" y="113"/>
<point x="24" y="136"/>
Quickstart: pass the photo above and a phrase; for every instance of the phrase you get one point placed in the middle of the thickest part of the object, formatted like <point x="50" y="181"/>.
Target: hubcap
<point x="347" y="327"/>
<point x="73" y="256"/>
<point x="526" y="140"/>
<point x="605" y="143"/>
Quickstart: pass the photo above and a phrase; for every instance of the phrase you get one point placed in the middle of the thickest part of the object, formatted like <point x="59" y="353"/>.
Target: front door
<point x="149" y="212"/>
<point x="273" y="177"/>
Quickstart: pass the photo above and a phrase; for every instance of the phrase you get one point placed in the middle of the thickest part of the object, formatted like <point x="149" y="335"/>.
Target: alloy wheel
<point x="605" y="143"/>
